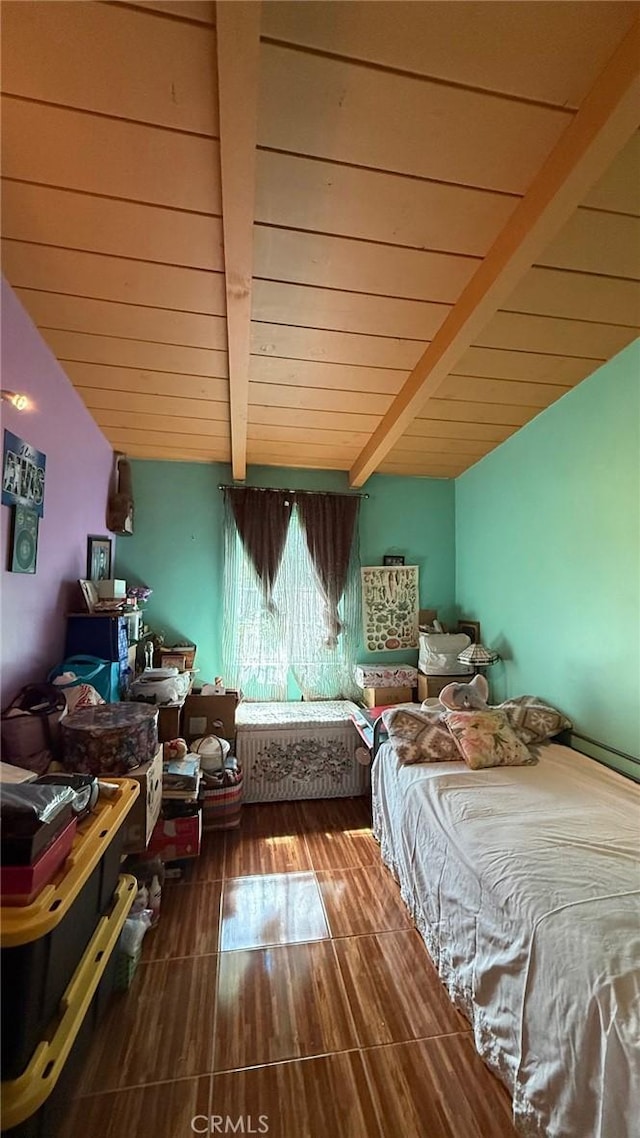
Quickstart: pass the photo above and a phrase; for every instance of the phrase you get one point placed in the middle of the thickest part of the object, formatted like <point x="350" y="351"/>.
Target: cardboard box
<point x="145" y="812"/>
<point x="429" y="687"/>
<point x="169" y="722"/>
<point x="186" y="653"/>
<point x="173" y="660"/>
<point x="210" y="715"/>
<point x="177" y="838"/>
<point x="379" y="697"/>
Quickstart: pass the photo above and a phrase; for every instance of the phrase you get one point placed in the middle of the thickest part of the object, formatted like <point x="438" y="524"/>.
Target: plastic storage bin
<point x="42" y="943"/>
<point x="32" y="1105"/>
<point x="103" y="675"/>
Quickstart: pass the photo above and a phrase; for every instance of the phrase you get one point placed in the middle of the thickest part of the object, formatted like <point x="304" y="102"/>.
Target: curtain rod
<point x="333" y="493"/>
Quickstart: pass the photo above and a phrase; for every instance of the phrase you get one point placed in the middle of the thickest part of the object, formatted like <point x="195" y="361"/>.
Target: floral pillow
<point x="420" y="736"/>
<point x="533" y="720"/>
<point x="486" y="739"/>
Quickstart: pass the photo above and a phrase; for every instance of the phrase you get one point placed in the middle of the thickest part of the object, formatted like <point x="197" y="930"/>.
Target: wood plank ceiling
<point x="394" y="144"/>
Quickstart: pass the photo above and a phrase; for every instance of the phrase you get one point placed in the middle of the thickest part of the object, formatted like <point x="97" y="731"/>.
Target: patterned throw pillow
<point x="533" y="720"/>
<point x="420" y="736"/>
<point x="485" y="739"/>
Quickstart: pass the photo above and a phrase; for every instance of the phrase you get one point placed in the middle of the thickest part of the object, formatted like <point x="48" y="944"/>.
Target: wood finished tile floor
<point x="286" y="987"/>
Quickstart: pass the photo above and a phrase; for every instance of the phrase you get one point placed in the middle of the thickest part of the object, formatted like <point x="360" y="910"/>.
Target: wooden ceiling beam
<point x="603" y="124"/>
<point x="238" y="38"/>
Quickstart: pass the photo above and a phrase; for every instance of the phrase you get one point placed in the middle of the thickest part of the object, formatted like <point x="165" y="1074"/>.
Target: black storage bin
<point x="36" y="971"/>
<point x="47" y="1120"/>
<point x="43" y="968"/>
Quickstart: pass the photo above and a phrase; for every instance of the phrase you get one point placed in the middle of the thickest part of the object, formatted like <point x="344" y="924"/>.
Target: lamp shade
<point x="478" y="656"/>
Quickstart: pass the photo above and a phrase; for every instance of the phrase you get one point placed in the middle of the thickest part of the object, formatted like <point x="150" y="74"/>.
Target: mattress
<point x="299" y="750"/>
<point x="524" y="883"/>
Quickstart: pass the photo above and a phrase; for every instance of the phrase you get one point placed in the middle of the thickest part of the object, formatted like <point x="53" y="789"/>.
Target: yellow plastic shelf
<point x="21" y="925"/>
<point x="23" y="1096"/>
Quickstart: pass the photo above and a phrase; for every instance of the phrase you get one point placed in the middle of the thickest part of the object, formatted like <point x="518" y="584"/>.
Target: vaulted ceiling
<point x="347" y="235"/>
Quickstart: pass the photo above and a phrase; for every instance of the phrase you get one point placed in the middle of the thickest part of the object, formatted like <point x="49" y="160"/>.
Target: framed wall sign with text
<point x="23" y="471"/>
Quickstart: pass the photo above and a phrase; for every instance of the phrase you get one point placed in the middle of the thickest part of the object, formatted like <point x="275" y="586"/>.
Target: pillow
<point x="387" y="708"/>
<point x="532" y="719"/>
<point x="420" y="736"/>
<point x="485" y="739"/>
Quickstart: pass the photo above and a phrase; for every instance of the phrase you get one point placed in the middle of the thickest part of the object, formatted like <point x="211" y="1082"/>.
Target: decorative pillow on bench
<point x="420" y="736"/>
<point x="486" y="739"/>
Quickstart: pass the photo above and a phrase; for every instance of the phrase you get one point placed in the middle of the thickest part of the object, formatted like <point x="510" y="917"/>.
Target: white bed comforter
<point x="525" y="884"/>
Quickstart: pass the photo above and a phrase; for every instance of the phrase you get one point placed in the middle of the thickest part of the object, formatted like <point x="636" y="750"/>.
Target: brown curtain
<point x="262" y="520"/>
<point x="329" y="524"/>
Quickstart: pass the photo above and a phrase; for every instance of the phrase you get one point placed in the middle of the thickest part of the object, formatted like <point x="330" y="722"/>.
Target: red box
<point x="21" y="884"/>
<point x="176" y="838"/>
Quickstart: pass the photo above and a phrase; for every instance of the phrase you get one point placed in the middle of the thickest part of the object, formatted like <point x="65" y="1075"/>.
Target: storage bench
<point x="299" y="750"/>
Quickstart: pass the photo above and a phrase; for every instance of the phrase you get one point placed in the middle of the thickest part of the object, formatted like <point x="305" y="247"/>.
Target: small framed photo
<point x="393" y="559"/>
<point x="98" y="558"/>
<point x="472" y="629"/>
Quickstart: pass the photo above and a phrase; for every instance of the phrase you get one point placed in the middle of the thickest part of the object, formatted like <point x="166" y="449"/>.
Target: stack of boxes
<point x="178" y="823"/>
<point x="215" y="714"/>
<point x="384" y="685"/>
<point x="438" y="657"/>
<point x="178" y="831"/>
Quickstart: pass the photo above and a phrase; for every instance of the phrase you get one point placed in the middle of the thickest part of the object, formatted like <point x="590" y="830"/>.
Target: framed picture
<point x="23" y="471"/>
<point x="393" y="559"/>
<point x="98" y="558"/>
<point x="472" y="629"/>
<point x="24" y="545"/>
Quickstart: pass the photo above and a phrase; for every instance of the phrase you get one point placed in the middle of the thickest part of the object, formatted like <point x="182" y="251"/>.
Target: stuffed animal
<point x="466" y="697"/>
<point x="174" y="749"/>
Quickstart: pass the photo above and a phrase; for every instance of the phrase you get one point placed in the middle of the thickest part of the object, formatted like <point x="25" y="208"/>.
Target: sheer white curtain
<point x="264" y="651"/>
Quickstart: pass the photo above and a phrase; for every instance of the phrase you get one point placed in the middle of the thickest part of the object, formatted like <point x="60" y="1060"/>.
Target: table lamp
<point x="478" y="657"/>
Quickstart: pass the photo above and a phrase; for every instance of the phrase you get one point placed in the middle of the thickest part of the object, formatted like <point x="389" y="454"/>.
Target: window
<point x="278" y="654"/>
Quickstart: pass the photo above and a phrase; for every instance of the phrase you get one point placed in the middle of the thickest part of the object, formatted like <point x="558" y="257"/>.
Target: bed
<point x="299" y="750"/>
<point x="524" y="883"/>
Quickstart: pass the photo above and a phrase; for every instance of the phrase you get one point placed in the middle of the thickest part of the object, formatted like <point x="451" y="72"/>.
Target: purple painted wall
<point x="77" y="481"/>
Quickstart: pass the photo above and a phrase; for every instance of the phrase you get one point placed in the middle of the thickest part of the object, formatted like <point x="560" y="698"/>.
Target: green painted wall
<point x="548" y="554"/>
<point x="177" y="546"/>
